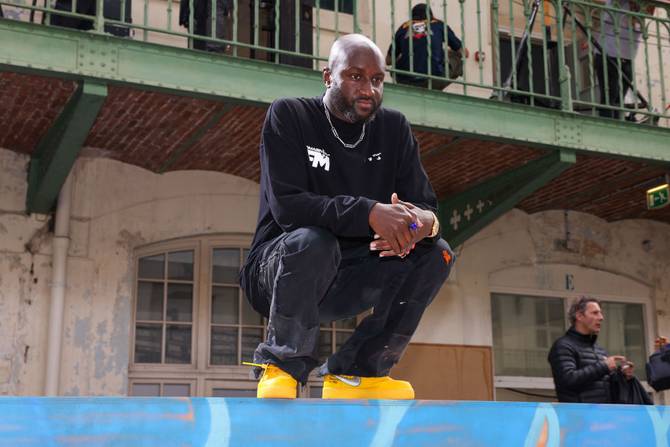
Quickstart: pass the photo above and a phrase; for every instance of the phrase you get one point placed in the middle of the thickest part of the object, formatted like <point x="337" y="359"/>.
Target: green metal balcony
<point x="528" y="99"/>
<point x="538" y="52"/>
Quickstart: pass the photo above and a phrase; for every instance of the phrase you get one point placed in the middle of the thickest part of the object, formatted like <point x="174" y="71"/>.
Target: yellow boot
<point x="354" y="387"/>
<point x="276" y="384"/>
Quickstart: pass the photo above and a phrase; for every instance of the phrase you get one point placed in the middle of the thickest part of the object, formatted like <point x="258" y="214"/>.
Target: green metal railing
<point x="545" y="53"/>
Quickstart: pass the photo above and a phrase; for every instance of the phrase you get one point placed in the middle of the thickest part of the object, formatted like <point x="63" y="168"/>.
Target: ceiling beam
<point x="463" y="215"/>
<point x="58" y="149"/>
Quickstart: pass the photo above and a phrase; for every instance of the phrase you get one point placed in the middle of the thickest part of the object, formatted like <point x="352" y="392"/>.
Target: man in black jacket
<point x="346" y="223"/>
<point x="581" y="368"/>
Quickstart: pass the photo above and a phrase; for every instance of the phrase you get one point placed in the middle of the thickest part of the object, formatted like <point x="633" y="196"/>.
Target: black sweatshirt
<point x="308" y="178"/>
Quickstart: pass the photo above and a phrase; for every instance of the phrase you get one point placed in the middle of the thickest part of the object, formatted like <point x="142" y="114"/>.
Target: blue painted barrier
<point x="167" y="422"/>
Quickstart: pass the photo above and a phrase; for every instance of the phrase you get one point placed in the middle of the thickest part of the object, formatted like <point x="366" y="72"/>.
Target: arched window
<point x="192" y="325"/>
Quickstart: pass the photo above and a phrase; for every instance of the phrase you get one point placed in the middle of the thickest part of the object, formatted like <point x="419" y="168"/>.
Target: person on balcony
<point x="414" y="33"/>
<point x="346" y="223"/>
<point x="619" y="39"/>
<point x="582" y="369"/>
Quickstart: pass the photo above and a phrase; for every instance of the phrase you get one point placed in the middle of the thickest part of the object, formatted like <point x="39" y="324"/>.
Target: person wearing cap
<point x="412" y="42"/>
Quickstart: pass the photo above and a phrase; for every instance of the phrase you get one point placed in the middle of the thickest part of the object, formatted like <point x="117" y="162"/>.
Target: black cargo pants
<point x="303" y="278"/>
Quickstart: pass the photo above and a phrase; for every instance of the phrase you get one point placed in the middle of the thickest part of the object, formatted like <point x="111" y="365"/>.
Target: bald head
<point x="354" y="78"/>
<point x="347" y="45"/>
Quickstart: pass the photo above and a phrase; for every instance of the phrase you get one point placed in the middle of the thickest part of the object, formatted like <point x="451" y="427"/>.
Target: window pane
<point x="341" y="337"/>
<point x="152" y="267"/>
<point x="146" y="389"/>
<point x="180" y="302"/>
<point x="178" y="344"/>
<point x="250" y="340"/>
<point x="230" y="392"/>
<point x="148" y="343"/>
<point x="623" y="332"/>
<point x="180" y="265"/>
<point x="325" y="347"/>
<point x="524" y="328"/>
<point x="223" y="349"/>
<point x="349" y="323"/>
<point x="149" y="301"/>
<point x="226" y="265"/>
<point x="225" y="305"/>
<point x="177" y="389"/>
<point x="249" y="315"/>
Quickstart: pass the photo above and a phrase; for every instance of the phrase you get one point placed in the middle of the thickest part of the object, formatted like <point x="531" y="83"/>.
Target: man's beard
<point x="349" y="110"/>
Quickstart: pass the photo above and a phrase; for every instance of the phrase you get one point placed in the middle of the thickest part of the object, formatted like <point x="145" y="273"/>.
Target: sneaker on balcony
<point x="276" y="384"/>
<point x="354" y="387"/>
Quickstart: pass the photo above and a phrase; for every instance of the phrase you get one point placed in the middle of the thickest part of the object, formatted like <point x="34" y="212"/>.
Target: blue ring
<point x="413" y="226"/>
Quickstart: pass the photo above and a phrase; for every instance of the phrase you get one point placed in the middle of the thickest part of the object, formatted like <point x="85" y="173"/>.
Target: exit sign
<point x="658" y="197"/>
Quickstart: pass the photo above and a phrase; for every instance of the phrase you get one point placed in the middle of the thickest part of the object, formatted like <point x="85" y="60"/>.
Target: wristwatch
<point x="436" y="226"/>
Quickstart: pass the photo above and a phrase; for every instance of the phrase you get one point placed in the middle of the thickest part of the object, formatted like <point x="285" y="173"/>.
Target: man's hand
<point x="627" y="370"/>
<point x="392" y="224"/>
<point x="424" y="224"/>
<point x="612" y="361"/>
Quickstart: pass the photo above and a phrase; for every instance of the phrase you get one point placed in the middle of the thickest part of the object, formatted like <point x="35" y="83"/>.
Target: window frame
<point x="198" y="372"/>
<point x="547" y="383"/>
<point x="153" y="250"/>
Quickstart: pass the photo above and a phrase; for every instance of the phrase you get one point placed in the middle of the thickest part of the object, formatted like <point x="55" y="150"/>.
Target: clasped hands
<point x="398" y="226"/>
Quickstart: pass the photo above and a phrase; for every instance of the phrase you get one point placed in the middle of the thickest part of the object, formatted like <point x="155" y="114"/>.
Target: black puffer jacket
<point x="579" y="369"/>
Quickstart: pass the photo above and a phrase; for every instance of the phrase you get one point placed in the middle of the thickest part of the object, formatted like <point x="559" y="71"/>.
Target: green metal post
<point x="479" y="42"/>
<point x="544" y="49"/>
<point x="463" y="40"/>
<point x="99" y="17"/>
<point x="296" y="6"/>
<point x="357" y="25"/>
<point x="236" y="14"/>
<point x="592" y="82"/>
<point x="411" y="36"/>
<point x="575" y="56"/>
<point x="496" y="49"/>
<point x="374" y="21"/>
<point x="660" y="64"/>
<point x="145" y="19"/>
<point x="529" y="53"/>
<point x="429" y="40"/>
<point x="564" y="72"/>
<point x="169" y="13"/>
<point x="512" y="42"/>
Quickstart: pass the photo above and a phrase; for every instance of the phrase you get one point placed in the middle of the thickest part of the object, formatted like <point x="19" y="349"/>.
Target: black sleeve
<point x="563" y="360"/>
<point x="284" y="166"/>
<point x="412" y="183"/>
<point x="453" y="41"/>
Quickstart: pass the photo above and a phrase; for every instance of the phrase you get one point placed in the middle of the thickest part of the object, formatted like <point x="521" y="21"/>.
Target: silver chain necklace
<point x="347" y="145"/>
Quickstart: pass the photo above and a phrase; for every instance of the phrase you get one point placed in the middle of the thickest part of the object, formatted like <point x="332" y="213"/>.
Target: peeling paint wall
<point x="118" y="208"/>
<point x="25" y="270"/>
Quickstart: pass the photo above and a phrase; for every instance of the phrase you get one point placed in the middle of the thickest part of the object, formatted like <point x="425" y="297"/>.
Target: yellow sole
<point x="277" y="393"/>
<point x="367" y="394"/>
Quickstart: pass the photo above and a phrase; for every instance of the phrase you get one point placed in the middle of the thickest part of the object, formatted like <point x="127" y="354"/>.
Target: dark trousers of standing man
<point x="609" y="91"/>
<point x="303" y="278"/>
